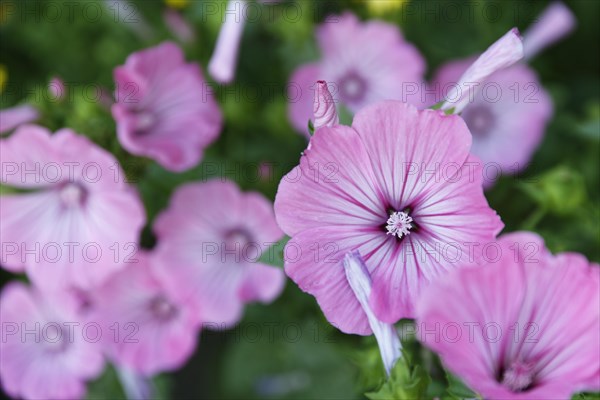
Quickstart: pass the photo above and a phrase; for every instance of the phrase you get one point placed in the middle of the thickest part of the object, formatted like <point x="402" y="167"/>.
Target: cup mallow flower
<point x="364" y="62"/>
<point x="400" y="187"/>
<point x="509" y="117"/>
<point x="147" y="330"/>
<point x="75" y="220"/>
<point x="503" y="53"/>
<point x="164" y="109"/>
<point x="222" y="64"/>
<point x="45" y="352"/>
<point x="524" y="326"/>
<point x="324" y="111"/>
<point x="209" y="241"/>
<point x="508" y="121"/>
<point x="386" y="335"/>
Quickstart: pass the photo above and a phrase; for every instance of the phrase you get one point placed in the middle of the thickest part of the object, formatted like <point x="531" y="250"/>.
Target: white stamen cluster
<point x="399" y="224"/>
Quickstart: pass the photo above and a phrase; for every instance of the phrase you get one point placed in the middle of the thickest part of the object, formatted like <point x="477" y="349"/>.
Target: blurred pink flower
<point x="10" y="118"/>
<point x="324" y="111"/>
<point x="364" y="61"/>
<point x="148" y="331"/>
<point x="523" y="327"/>
<point x="556" y="22"/>
<point x="399" y="186"/>
<point x="77" y="220"/>
<point x="46" y="352"/>
<point x="164" y="108"/>
<point x="209" y="241"/>
<point x="501" y="54"/>
<point x="223" y="62"/>
<point x="507" y="121"/>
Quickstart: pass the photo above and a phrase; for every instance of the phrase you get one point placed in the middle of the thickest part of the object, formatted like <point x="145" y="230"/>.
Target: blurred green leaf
<point x="406" y="381"/>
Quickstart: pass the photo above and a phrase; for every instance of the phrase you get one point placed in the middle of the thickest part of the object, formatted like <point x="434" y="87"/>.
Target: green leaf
<point x="274" y="254"/>
<point x="405" y="382"/>
<point x="457" y="389"/>
<point x="560" y="190"/>
<point x="311" y="128"/>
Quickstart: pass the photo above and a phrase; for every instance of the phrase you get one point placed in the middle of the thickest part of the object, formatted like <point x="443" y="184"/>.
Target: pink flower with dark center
<point x="507" y="120"/>
<point x="45" y="352"/>
<point x="525" y="326"/>
<point x="400" y="187"/>
<point x="209" y="242"/>
<point x="365" y="62"/>
<point x="147" y="329"/>
<point x="164" y="108"/>
<point x="76" y="220"/>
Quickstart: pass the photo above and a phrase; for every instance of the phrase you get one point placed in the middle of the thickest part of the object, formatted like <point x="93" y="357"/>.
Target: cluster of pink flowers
<point x="387" y="218"/>
<point x="72" y="223"/>
<point x="397" y="226"/>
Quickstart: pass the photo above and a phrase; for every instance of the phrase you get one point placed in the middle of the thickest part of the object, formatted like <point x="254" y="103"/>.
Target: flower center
<point x="162" y="309"/>
<point x="518" y="377"/>
<point x="480" y="119"/>
<point x="73" y="194"/>
<point x="399" y="224"/>
<point x="352" y="87"/>
<point x="144" y="122"/>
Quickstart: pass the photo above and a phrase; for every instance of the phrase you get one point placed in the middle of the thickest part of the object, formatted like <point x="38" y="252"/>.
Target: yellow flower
<point x="180" y="4"/>
<point x="3" y="77"/>
<point x="382" y="7"/>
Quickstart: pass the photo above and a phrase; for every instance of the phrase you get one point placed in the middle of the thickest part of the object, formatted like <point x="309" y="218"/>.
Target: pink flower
<point x="400" y="187"/>
<point x="164" y="108"/>
<point x="209" y="241"/>
<point x="524" y="326"/>
<point x="78" y="220"/>
<point x="224" y="59"/>
<point x="507" y="120"/>
<point x="148" y="331"/>
<point x="10" y="118"/>
<point x="46" y="351"/>
<point x="365" y="62"/>
<point x="503" y="53"/>
<point x="324" y="111"/>
<point x="556" y="22"/>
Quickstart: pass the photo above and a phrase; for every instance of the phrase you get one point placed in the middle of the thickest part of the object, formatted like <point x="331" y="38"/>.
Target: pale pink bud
<point x="324" y="111"/>
<point x="386" y="334"/>
<point x="555" y="22"/>
<point x="224" y="59"/>
<point x="56" y="87"/>
<point x="503" y="53"/>
<point x="178" y="26"/>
